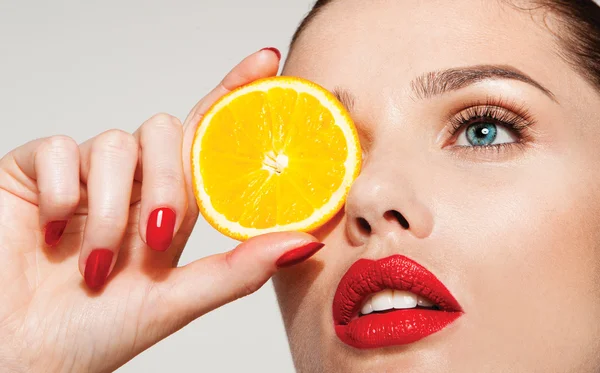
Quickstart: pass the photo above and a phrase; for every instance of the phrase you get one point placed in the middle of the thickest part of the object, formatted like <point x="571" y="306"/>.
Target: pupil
<point x="482" y="134"/>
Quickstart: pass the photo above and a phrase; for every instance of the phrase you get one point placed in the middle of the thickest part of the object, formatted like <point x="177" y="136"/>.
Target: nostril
<point x="395" y="215"/>
<point x="363" y="225"/>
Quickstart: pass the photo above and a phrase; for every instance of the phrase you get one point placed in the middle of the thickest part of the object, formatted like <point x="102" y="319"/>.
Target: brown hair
<point x="577" y="32"/>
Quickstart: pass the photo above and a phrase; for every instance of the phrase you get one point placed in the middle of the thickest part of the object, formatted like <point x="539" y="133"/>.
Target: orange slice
<point x="278" y="154"/>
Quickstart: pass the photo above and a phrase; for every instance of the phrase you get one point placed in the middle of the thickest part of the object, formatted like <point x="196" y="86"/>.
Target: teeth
<point x="383" y="300"/>
<point x="404" y="299"/>
<point x="424" y="302"/>
<point x="393" y="299"/>
<point x="367" y="309"/>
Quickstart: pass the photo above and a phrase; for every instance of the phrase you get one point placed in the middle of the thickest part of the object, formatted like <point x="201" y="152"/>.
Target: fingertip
<point x="161" y="228"/>
<point x="261" y="64"/>
<point x="278" y="249"/>
<point x="274" y="50"/>
<point x="269" y="59"/>
<point x="97" y="268"/>
<point x="298" y="255"/>
<point x="53" y="232"/>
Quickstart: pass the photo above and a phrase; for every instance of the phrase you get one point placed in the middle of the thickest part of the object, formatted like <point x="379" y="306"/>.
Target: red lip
<point x="397" y="327"/>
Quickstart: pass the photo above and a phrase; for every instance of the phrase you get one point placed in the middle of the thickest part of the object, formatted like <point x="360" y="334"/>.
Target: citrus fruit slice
<point x="278" y="154"/>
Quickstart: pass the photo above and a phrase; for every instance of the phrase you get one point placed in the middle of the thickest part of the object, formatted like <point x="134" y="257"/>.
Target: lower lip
<point x="394" y="328"/>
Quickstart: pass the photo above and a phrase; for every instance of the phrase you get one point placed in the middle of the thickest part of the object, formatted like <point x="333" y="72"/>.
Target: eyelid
<point x="513" y="115"/>
<point x="492" y="153"/>
<point x="498" y="115"/>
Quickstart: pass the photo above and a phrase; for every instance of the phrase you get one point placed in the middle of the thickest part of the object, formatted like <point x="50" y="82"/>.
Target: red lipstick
<point x="393" y="327"/>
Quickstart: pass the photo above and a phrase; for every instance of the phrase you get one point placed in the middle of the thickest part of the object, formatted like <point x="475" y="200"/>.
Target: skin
<point x="513" y="233"/>
<point x="50" y="321"/>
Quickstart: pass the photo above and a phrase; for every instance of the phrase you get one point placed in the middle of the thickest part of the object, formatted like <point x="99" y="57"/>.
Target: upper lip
<point x="366" y="277"/>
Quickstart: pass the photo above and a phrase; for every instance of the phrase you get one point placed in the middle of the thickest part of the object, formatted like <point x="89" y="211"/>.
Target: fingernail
<point x="274" y="50"/>
<point x="54" y="231"/>
<point x="97" y="267"/>
<point x="159" y="232"/>
<point x="299" y="254"/>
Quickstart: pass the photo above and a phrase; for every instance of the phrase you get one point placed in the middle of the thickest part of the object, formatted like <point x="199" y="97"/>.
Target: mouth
<point x="389" y="302"/>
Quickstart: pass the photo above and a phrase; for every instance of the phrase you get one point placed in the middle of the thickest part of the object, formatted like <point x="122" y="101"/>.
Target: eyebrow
<point x="345" y="97"/>
<point x="444" y="81"/>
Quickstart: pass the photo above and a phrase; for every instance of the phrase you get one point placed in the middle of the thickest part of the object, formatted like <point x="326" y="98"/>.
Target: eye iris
<point x="482" y="134"/>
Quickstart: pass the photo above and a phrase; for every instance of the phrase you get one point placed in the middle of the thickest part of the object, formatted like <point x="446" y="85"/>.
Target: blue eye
<point x="482" y="134"/>
<point x="485" y="134"/>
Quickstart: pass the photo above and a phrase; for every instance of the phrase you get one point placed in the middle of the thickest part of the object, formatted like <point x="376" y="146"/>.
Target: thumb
<point x="211" y="282"/>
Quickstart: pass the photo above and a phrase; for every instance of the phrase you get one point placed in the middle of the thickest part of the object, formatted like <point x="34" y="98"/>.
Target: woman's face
<point x="486" y="142"/>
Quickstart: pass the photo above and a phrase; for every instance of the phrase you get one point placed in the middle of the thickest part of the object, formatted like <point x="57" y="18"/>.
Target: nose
<point x="385" y="201"/>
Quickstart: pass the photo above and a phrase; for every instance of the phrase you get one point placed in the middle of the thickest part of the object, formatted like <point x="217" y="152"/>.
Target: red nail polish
<point x="274" y="50"/>
<point x="97" y="267"/>
<point x="159" y="232"/>
<point x="54" y="231"/>
<point x="299" y="255"/>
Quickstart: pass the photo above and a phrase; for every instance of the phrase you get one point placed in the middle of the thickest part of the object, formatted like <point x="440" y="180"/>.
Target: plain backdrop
<point x="81" y="67"/>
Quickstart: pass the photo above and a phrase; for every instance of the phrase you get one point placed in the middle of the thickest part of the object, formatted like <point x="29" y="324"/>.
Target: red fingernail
<point x="161" y="225"/>
<point x="274" y="50"/>
<point x="97" y="267"/>
<point x="54" y="231"/>
<point x="299" y="254"/>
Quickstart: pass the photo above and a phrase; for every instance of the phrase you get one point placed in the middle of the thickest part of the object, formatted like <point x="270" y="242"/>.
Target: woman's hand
<point x="89" y="296"/>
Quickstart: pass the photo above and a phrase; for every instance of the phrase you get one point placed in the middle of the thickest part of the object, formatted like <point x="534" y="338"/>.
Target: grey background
<point x="81" y="67"/>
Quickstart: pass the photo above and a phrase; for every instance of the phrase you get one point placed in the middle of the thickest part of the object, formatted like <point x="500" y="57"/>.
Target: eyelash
<point x="518" y="120"/>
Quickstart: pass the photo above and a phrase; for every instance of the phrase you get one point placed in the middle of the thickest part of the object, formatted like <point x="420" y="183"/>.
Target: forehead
<point x="386" y="43"/>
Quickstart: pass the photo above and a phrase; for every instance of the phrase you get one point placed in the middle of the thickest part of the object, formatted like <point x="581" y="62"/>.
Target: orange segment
<point x="278" y="154"/>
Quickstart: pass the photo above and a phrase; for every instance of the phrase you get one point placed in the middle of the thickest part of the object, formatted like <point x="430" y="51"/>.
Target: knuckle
<point x="164" y="118"/>
<point x="65" y="200"/>
<point x="229" y="260"/>
<point x="116" y="140"/>
<point x="246" y="285"/>
<point x="109" y="221"/>
<point x="247" y="288"/>
<point x="60" y="145"/>
<point x="169" y="178"/>
<point x="59" y="200"/>
<point x="163" y="123"/>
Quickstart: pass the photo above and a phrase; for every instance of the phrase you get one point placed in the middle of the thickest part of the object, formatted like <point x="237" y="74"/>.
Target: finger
<point x="164" y="200"/>
<point x="211" y="282"/>
<point x="85" y="150"/>
<point x="261" y="64"/>
<point x="53" y="163"/>
<point x="112" y="163"/>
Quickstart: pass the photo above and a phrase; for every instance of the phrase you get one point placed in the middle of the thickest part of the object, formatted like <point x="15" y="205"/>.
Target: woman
<point x="469" y="243"/>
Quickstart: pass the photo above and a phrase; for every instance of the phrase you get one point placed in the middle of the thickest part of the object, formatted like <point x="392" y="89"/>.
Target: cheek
<point x="300" y="296"/>
<point x="528" y="247"/>
<point x="305" y="294"/>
